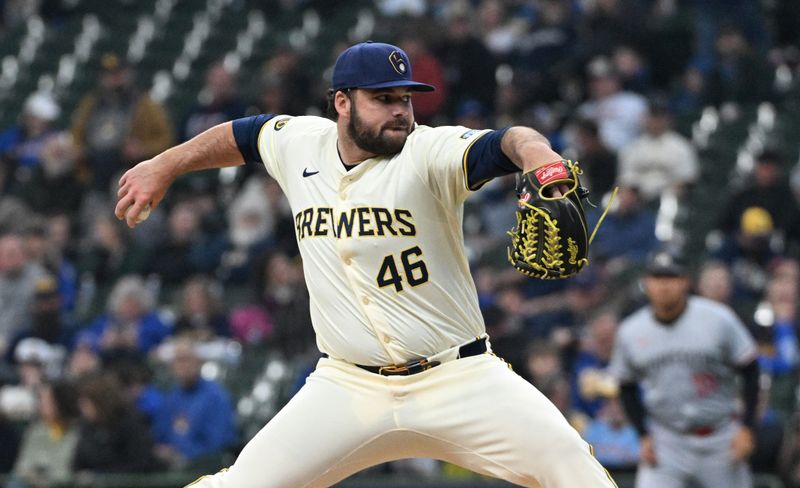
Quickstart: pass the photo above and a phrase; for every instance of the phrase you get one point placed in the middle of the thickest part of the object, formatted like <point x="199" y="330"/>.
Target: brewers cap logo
<point x="280" y="123"/>
<point x="398" y="63"/>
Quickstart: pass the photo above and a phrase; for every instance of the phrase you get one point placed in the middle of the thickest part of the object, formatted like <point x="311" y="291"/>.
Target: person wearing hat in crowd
<point x="117" y="125"/>
<point x="406" y="369"/>
<point x="687" y="354"/>
<point x="767" y="187"/>
<point x="21" y="145"/>
<point x="749" y="253"/>
<point x="46" y="325"/>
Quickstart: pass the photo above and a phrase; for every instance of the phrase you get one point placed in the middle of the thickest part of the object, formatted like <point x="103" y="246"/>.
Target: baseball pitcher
<point x="406" y="369"/>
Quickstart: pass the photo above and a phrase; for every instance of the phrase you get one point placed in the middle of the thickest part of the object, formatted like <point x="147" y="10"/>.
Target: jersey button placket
<point x="343" y="187"/>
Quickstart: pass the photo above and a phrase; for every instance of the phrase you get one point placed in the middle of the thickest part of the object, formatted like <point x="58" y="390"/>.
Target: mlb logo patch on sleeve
<point x="469" y="133"/>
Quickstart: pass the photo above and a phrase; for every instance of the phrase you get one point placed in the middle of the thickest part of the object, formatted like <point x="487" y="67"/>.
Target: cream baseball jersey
<point x="382" y="242"/>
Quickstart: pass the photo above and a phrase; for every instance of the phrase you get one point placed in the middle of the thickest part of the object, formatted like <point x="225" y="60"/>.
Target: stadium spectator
<point x="688" y="97"/>
<point x="615" y="441"/>
<point x="591" y="386"/>
<point x="18" y="278"/>
<point x="471" y="113"/>
<point x="83" y="361"/>
<point x="175" y="258"/>
<point x="468" y="65"/>
<point x="427" y="69"/>
<point x="52" y="185"/>
<point x="251" y="231"/>
<point x="197" y="419"/>
<point x="49" y="443"/>
<point x="21" y="145"/>
<point x="766" y="188"/>
<point x="619" y="114"/>
<point x="542" y="57"/>
<point x="500" y="31"/>
<point x="130" y="327"/>
<point x="597" y="161"/>
<point x="715" y="282"/>
<point x="109" y="253"/>
<point x="201" y="313"/>
<point x="33" y="360"/>
<point x="112" y="437"/>
<point x="284" y="84"/>
<point x="738" y="74"/>
<point x="118" y="125"/>
<point x="136" y="378"/>
<point x="658" y="160"/>
<point x="666" y="41"/>
<point x="44" y="249"/>
<point x="627" y="234"/>
<point x="543" y="363"/>
<point x="714" y="18"/>
<point x="217" y="101"/>
<point x="633" y="69"/>
<point x="749" y="253"/>
<point x="46" y="325"/>
<point x="776" y="327"/>
<point x="285" y="297"/>
<point x="608" y="24"/>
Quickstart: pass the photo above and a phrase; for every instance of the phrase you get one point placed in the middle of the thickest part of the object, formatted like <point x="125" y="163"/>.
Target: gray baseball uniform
<point x="687" y="372"/>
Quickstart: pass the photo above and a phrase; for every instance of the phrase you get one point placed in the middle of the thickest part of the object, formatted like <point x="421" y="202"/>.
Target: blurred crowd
<point x="113" y="342"/>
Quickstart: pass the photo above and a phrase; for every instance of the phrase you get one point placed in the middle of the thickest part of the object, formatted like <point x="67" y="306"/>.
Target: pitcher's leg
<point x="330" y="419"/>
<point x="494" y="422"/>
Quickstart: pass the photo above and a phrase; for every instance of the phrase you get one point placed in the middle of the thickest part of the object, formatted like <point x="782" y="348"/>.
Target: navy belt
<point x="473" y="348"/>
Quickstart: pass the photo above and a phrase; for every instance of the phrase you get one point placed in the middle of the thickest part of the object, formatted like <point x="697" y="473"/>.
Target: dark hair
<point x="589" y="126"/>
<point x="65" y="398"/>
<point x="105" y="393"/>
<point x="769" y="155"/>
<point x="330" y="108"/>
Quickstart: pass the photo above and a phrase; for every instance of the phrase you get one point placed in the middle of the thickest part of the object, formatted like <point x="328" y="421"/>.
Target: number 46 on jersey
<point x="411" y="269"/>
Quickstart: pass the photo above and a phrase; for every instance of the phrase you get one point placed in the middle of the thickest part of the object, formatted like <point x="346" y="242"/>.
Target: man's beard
<point x="376" y="143"/>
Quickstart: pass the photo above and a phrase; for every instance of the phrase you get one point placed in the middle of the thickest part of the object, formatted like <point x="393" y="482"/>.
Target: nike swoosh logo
<point x="307" y="173"/>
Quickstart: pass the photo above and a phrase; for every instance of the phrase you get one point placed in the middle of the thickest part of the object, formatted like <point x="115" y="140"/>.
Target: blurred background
<point x="145" y="358"/>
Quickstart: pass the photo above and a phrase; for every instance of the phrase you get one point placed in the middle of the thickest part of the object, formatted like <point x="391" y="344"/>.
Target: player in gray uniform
<point x="378" y="205"/>
<point x="686" y="352"/>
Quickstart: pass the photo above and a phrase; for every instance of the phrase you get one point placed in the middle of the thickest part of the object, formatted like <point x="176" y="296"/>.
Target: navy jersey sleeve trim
<point x="484" y="159"/>
<point x="245" y="131"/>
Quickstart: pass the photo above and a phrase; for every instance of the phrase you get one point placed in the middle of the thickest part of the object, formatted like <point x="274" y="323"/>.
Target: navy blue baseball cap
<point x="666" y="263"/>
<point x="374" y="65"/>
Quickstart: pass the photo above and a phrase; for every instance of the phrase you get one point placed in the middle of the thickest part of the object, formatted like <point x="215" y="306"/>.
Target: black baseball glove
<point x="551" y="238"/>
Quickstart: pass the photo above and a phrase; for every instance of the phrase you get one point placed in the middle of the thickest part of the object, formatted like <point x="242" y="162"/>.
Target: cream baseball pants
<point x="473" y="412"/>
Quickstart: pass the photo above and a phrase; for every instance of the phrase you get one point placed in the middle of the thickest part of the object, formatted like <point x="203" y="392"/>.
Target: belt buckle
<point x="408" y="368"/>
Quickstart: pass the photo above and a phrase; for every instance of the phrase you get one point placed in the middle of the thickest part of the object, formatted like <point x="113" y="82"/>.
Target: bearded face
<point x="379" y="138"/>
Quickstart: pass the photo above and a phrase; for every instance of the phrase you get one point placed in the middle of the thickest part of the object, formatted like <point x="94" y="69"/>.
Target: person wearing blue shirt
<point x="131" y="326"/>
<point x="615" y="441"/>
<point x="196" y="419"/>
